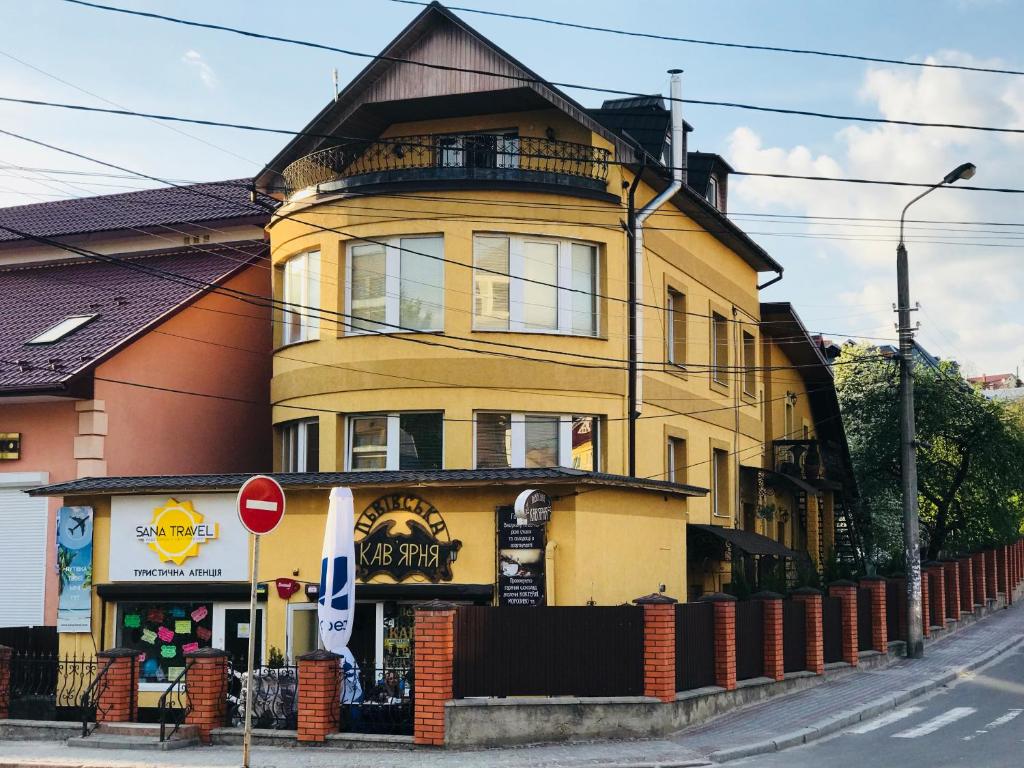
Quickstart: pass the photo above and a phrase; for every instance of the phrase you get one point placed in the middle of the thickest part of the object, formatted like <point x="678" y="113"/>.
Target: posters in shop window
<point x="74" y="569"/>
<point x="521" y="572"/>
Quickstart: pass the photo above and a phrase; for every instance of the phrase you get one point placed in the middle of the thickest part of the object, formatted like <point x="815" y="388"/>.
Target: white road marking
<point x="270" y="506"/>
<point x="880" y="722"/>
<point x="946" y="718"/>
<point x="1010" y="715"/>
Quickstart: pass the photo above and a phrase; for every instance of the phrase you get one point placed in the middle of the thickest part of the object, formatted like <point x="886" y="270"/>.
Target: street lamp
<point x="908" y="440"/>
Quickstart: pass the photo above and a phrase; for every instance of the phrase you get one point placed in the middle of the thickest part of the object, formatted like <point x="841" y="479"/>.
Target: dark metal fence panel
<point x="749" y="639"/>
<point x="895" y="599"/>
<point x="49" y="687"/>
<point x="832" y="628"/>
<point x="552" y="651"/>
<point x="794" y="636"/>
<point x="695" y="646"/>
<point x="275" y="695"/>
<point x="865" y="622"/>
<point x="377" y="700"/>
<point x="41" y="641"/>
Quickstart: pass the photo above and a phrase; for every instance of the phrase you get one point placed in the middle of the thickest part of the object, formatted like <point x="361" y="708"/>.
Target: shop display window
<point x="164" y="632"/>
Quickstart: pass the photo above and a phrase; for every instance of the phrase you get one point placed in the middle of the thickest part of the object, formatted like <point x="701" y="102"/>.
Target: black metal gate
<point x="865" y="619"/>
<point x="832" y="628"/>
<point x="895" y="612"/>
<point x="794" y="636"/>
<point x="749" y="639"/>
<point x="49" y="687"/>
<point x="695" y="645"/>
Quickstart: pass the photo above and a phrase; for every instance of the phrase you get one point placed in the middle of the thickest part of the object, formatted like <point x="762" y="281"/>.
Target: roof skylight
<point x="65" y="327"/>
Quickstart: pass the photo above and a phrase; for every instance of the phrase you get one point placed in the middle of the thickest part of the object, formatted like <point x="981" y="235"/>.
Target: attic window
<point x="713" y="191"/>
<point x="65" y="327"/>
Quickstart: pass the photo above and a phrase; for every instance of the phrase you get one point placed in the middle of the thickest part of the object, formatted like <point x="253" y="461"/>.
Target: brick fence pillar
<point x="978" y="567"/>
<point x="118" y="690"/>
<point x="879" y="612"/>
<point x="936" y="592"/>
<point x="1002" y="574"/>
<point x="811" y="598"/>
<point x="774" y="662"/>
<point x="433" y="670"/>
<point x="951" y="573"/>
<point x="725" y="639"/>
<point x="319" y="695"/>
<point x="991" y="582"/>
<point x="5" y="681"/>
<point x="659" y="646"/>
<point x="926" y="604"/>
<point x="846" y="591"/>
<point x="966" y="566"/>
<point x="206" y="686"/>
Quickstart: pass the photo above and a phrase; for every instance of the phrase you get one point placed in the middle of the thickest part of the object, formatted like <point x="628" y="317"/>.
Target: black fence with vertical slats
<point x="865" y="622"/>
<point x="552" y="651"/>
<point x="832" y="628"/>
<point x="749" y="639"/>
<point x="952" y="595"/>
<point x="895" y="597"/>
<point x="794" y="636"/>
<point x="695" y="646"/>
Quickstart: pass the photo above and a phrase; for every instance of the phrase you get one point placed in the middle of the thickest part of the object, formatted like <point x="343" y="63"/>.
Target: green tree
<point x="970" y="455"/>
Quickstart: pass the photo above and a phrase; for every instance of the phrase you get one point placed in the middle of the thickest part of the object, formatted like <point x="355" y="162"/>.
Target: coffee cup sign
<point x="532" y="507"/>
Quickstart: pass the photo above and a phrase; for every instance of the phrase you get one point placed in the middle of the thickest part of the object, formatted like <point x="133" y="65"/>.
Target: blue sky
<point x="841" y="279"/>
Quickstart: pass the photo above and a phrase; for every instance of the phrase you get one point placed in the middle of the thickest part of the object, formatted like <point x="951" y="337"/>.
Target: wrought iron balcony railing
<point x="798" y="458"/>
<point x="449" y="156"/>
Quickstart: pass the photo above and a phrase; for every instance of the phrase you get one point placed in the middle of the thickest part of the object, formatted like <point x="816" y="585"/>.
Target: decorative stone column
<point x="811" y="598"/>
<point x="937" y="592"/>
<point x="725" y="639"/>
<point x="319" y="695"/>
<point x="846" y="591"/>
<point x="659" y="646"/>
<point x="434" y="666"/>
<point x="774" y="660"/>
<point x="5" y="681"/>
<point x="118" y="690"/>
<point x="966" y="567"/>
<point x="206" y="684"/>
<point x="951" y="574"/>
<point x="879" y="612"/>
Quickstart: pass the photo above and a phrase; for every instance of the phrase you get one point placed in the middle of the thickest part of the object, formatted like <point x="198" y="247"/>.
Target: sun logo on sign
<point x="176" y="532"/>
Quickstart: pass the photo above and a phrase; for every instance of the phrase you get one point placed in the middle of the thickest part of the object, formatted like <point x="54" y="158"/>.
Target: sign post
<point x="261" y="509"/>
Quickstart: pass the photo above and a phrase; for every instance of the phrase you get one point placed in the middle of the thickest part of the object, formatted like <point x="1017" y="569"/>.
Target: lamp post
<point x="908" y="439"/>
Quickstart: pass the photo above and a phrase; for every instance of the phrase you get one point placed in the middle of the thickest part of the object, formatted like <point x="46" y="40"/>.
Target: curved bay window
<point x="524" y="440"/>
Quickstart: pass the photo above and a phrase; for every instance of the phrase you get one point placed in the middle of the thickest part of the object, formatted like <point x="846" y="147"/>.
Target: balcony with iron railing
<point x="440" y="159"/>
<point x="798" y="458"/>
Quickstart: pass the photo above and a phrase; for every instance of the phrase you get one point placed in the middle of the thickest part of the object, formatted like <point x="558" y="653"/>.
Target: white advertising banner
<point x="338" y="573"/>
<point x="182" y="538"/>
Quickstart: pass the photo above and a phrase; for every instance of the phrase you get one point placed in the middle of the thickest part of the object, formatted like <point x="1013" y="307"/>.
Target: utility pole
<point x="908" y="435"/>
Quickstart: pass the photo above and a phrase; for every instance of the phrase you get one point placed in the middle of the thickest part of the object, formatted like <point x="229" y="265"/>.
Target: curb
<point x="844" y="719"/>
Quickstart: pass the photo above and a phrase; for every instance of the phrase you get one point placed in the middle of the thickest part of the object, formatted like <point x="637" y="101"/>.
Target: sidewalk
<point x="765" y="727"/>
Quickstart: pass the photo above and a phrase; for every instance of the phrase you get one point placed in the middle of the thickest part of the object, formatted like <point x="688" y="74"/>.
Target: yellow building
<point x="462" y="320"/>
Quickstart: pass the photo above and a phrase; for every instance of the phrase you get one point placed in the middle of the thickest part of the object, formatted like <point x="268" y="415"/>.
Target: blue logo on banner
<point x="338" y="588"/>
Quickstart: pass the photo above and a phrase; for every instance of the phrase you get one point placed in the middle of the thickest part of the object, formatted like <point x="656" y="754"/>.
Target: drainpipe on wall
<point x="637" y="314"/>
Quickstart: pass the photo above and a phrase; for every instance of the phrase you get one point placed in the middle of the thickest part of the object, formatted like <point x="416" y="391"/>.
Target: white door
<point x="23" y="548"/>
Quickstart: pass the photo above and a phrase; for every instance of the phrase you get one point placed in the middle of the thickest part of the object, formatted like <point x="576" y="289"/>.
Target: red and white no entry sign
<point x="260" y="504"/>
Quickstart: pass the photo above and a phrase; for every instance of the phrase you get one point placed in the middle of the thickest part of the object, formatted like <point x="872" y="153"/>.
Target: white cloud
<point x="971" y="289"/>
<point x="195" y="59"/>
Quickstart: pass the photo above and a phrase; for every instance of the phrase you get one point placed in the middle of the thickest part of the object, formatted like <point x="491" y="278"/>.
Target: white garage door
<point x="23" y="546"/>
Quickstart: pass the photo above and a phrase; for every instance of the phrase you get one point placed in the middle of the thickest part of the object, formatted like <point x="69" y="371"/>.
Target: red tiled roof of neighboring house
<point x="215" y="201"/>
<point x="994" y="378"/>
<point x="124" y="299"/>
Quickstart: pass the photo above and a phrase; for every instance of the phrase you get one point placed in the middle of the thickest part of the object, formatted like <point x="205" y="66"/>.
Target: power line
<point x="723" y="43"/>
<point x="399" y="141"/>
<point x="534" y="80"/>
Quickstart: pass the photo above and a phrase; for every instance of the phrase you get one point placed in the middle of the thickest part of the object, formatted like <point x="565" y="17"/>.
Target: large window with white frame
<point x="300" y="445"/>
<point x="719" y="348"/>
<point x="720" y="500"/>
<point x="532" y="284"/>
<point x="389" y="441"/>
<point x="396" y="284"/>
<point x="300" y="295"/>
<point x="525" y="440"/>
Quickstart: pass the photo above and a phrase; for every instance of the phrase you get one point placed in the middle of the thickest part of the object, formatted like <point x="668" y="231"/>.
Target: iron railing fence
<point x="175" y="703"/>
<point x="794" y="636"/>
<point x="48" y="686"/>
<point x="832" y="628"/>
<point x="695" y="645"/>
<point x="749" y="639"/>
<point x="551" y="651"/>
<point x="865" y="619"/>
<point x="275" y="695"/>
<point x="377" y="699"/>
<point x="444" y="152"/>
<point x="89" y="702"/>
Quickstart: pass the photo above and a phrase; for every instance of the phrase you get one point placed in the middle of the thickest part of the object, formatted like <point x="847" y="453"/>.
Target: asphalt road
<point x="976" y="722"/>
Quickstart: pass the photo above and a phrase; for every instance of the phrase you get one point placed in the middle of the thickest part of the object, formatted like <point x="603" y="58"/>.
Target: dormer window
<point x="64" y="328"/>
<point x="712" y="193"/>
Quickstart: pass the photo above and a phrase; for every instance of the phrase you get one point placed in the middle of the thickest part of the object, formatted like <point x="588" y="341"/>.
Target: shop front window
<point x="163" y="632"/>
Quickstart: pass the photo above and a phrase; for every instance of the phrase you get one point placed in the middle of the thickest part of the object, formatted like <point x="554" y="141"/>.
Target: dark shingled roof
<point x="125" y="300"/>
<point x="145" y="208"/>
<point x="232" y="482"/>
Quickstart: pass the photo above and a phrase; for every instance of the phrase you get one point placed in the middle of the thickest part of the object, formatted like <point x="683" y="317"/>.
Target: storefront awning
<point x="748" y="541"/>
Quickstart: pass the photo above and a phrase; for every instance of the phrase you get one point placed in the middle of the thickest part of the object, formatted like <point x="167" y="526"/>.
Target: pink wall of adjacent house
<point x="152" y="431"/>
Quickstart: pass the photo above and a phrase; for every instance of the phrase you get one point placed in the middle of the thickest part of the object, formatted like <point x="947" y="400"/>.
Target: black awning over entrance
<point x="747" y="541"/>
